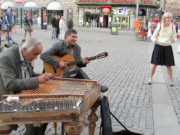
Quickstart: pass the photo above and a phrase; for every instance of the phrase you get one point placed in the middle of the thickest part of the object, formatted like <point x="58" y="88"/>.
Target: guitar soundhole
<point x="54" y="70"/>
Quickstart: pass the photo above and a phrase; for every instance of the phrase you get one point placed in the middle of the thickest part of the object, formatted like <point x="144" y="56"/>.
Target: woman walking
<point x="28" y="23"/>
<point x="163" y="37"/>
<point x="14" y="22"/>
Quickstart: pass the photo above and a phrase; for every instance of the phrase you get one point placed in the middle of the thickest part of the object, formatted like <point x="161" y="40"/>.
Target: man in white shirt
<point x="62" y="28"/>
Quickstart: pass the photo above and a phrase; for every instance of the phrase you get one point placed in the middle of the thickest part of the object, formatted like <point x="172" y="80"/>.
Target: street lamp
<point x="137" y="7"/>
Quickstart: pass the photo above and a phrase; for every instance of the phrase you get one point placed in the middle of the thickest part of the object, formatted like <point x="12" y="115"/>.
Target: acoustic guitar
<point x="57" y="71"/>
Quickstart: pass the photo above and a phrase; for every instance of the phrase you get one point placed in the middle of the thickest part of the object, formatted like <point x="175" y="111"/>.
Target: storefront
<point x="101" y="14"/>
<point x="106" y="16"/>
<point x="121" y="16"/>
<point x="54" y="8"/>
<point x="87" y="15"/>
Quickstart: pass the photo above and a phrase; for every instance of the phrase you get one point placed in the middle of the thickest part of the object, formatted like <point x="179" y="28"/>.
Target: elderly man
<point x="16" y="73"/>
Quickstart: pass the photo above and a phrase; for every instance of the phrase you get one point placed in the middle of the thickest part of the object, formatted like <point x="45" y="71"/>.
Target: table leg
<point x="55" y="125"/>
<point x="74" y="128"/>
<point x="93" y="117"/>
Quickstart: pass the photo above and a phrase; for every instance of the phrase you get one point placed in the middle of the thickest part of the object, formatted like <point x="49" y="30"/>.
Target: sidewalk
<point x="149" y="109"/>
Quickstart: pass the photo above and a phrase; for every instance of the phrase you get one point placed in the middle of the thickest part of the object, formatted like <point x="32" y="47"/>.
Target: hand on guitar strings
<point x="43" y="78"/>
<point x="85" y="61"/>
<point x="62" y="64"/>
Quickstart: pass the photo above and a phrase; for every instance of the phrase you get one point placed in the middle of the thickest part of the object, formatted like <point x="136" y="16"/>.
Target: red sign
<point x="106" y="10"/>
<point x="106" y="5"/>
<point x="18" y="1"/>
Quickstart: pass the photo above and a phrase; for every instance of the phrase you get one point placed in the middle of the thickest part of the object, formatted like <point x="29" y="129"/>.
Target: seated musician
<point x="16" y="73"/>
<point x="61" y="48"/>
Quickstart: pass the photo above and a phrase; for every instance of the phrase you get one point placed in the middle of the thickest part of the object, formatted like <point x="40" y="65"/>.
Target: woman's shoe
<point x="149" y="81"/>
<point x="171" y="83"/>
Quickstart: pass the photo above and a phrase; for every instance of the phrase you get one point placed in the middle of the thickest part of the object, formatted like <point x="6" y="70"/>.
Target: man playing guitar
<point x="68" y="46"/>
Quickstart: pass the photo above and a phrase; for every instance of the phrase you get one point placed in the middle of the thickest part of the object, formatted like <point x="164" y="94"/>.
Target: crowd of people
<point x="7" y="24"/>
<point x="59" y="27"/>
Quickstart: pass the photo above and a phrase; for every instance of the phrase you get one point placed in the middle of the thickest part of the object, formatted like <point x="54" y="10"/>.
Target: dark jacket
<point x="60" y="49"/>
<point x="70" y="24"/>
<point x="28" y="22"/>
<point x="10" y="73"/>
<point x="57" y="23"/>
<point x="53" y="22"/>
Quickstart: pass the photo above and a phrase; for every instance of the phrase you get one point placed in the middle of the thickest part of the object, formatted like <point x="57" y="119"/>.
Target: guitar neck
<point x="80" y="61"/>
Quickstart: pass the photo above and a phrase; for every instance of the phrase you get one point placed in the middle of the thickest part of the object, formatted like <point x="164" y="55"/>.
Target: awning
<point x="30" y="4"/>
<point x="6" y="4"/>
<point x="55" y="6"/>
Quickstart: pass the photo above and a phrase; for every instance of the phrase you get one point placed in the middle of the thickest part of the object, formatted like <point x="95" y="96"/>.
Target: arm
<point x="6" y="19"/>
<point x="46" y="56"/>
<point x="31" y="22"/>
<point x="81" y="64"/>
<point x="174" y="35"/>
<point x="10" y="80"/>
<point x="155" y="34"/>
<point x="60" y="24"/>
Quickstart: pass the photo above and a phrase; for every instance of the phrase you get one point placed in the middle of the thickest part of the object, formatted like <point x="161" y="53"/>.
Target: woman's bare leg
<point x="153" y="68"/>
<point x="25" y="34"/>
<point x="29" y="33"/>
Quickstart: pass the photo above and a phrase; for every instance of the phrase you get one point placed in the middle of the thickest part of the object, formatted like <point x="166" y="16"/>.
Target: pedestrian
<point x="28" y="24"/>
<point x="162" y="53"/>
<point x="70" y="24"/>
<point x="53" y="22"/>
<point x="62" y="28"/>
<point x="9" y="21"/>
<point x="57" y="26"/>
<point x="14" y="22"/>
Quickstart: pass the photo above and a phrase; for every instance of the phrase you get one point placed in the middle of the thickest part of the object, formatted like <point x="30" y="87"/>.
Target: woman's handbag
<point x="178" y="50"/>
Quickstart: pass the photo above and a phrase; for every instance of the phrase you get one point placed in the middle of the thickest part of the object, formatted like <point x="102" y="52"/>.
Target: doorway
<point x="105" y="21"/>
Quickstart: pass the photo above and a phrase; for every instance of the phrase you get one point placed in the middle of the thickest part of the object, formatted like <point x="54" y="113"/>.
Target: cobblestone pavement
<point x="125" y="71"/>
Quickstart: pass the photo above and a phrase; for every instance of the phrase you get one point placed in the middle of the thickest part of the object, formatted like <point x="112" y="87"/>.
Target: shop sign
<point x="18" y="1"/>
<point x="1" y="1"/>
<point x="121" y="10"/>
<point x="92" y="10"/>
<point x="94" y="25"/>
<point x="106" y="10"/>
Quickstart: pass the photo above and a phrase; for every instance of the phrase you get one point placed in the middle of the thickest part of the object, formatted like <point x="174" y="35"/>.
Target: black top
<point x="53" y="22"/>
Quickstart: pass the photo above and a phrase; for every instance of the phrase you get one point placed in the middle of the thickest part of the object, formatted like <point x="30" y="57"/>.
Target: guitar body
<point x="58" y="71"/>
<point x="71" y="63"/>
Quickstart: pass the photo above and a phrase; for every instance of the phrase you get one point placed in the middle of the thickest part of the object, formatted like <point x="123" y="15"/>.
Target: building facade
<point x="84" y="12"/>
<point x="173" y="6"/>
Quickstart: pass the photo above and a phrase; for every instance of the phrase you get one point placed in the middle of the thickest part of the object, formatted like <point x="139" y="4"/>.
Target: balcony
<point x="121" y="2"/>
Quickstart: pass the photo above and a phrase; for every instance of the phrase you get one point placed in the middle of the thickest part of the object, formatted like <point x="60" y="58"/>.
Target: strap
<point x="119" y="121"/>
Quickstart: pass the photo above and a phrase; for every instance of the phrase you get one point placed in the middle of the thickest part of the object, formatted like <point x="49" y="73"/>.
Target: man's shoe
<point x="104" y="88"/>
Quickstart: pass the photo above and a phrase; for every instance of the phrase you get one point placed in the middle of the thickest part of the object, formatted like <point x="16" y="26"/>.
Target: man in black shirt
<point x="53" y="22"/>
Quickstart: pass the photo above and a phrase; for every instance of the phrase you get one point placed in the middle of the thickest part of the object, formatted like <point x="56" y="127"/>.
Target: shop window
<point x="122" y="21"/>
